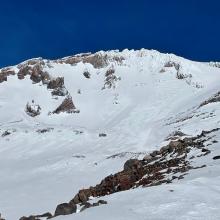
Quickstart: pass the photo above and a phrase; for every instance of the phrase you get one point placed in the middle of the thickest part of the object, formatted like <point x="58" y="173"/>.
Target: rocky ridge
<point x="171" y="163"/>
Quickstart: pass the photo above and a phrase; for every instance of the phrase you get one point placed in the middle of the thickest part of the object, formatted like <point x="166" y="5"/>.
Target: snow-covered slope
<point x="125" y="105"/>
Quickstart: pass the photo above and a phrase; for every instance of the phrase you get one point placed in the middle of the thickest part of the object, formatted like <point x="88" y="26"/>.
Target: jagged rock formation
<point x="66" y="106"/>
<point x="110" y="78"/>
<point x="98" y="60"/>
<point x="178" y="68"/>
<point x="35" y="69"/>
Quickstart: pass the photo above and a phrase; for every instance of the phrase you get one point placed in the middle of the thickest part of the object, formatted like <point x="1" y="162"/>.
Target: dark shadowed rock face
<point x="65" y="209"/>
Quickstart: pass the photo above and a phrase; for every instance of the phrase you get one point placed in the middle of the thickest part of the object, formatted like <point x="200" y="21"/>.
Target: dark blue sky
<point x="52" y="28"/>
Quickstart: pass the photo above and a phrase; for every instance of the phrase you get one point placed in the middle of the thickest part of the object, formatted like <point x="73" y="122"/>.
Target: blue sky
<point x="52" y="28"/>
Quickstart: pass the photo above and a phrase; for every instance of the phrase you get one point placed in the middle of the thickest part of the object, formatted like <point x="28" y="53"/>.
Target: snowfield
<point x="149" y="96"/>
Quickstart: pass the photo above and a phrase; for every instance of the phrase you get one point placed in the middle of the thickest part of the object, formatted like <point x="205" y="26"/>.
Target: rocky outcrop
<point x="214" y="98"/>
<point x="178" y="68"/>
<point x="35" y="69"/>
<point x="66" y="106"/>
<point x="33" y="109"/>
<point x="163" y="166"/>
<point x="98" y="60"/>
<point x="110" y="78"/>
<point x="87" y="205"/>
<point x="4" y="73"/>
<point x="57" y="86"/>
<point x="65" y="209"/>
<point x="87" y="74"/>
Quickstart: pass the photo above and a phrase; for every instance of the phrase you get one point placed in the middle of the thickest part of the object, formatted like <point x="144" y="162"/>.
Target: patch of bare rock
<point x="35" y="70"/>
<point x="66" y="106"/>
<point x="98" y="60"/>
<point x="214" y="98"/>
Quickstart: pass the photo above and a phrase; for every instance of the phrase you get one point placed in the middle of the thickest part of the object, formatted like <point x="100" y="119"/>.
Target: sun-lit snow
<point x="40" y="170"/>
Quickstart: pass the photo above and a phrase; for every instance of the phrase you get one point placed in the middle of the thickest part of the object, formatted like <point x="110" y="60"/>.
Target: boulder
<point x="87" y="74"/>
<point x="147" y="157"/>
<point x="132" y="164"/>
<point x="65" y="209"/>
<point x="216" y="157"/>
<point x="24" y="70"/>
<point x="102" y="135"/>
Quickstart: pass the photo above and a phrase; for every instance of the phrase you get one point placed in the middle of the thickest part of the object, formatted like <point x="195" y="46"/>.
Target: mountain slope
<point x="121" y="105"/>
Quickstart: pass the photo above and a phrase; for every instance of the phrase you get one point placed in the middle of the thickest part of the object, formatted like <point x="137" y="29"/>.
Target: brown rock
<point x="66" y="106"/>
<point x="132" y="163"/>
<point x="65" y="209"/>
<point x="3" y="77"/>
<point x="24" y="70"/>
<point x="56" y="83"/>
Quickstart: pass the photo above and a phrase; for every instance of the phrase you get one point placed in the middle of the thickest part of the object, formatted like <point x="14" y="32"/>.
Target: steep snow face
<point x="136" y="98"/>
